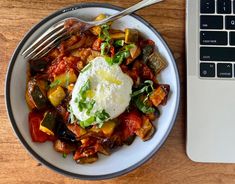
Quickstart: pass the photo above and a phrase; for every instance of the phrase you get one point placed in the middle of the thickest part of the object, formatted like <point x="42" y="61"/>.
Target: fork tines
<point x="46" y="42"/>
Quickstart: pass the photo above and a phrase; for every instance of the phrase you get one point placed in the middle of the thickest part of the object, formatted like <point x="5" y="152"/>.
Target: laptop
<point x="210" y="42"/>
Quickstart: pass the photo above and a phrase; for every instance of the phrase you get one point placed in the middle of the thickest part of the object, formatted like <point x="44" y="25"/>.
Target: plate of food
<point x="102" y="102"/>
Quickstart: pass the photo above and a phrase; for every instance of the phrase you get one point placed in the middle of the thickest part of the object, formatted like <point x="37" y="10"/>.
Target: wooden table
<point x="169" y="165"/>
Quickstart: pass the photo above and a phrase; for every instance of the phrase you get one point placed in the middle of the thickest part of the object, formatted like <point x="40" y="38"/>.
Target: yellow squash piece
<point x="108" y="127"/>
<point x="56" y="95"/>
<point x="131" y="35"/>
<point x="118" y="36"/>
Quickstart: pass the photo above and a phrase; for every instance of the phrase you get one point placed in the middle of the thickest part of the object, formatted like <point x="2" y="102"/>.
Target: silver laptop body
<point x="210" y="81"/>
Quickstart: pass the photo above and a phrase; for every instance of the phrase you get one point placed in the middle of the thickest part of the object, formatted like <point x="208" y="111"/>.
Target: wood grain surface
<point x="169" y="165"/>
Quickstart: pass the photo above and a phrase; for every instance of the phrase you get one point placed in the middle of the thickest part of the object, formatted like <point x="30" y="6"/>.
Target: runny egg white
<point x="110" y="89"/>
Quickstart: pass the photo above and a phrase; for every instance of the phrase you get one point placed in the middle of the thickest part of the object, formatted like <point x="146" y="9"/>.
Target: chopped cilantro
<point x="90" y="106"/>
<point x="87" y="122"/>
<point x="101" y="116"/>
<point x="147" y="88"/>
<point x="143" y="107"/>
<point x="84" y="89"/>
<point x="105" y="46"/>
<point x="119" y="43"/>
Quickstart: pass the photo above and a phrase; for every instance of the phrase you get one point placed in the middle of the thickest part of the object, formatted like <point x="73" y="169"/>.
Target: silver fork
<point x="57" y="32"/>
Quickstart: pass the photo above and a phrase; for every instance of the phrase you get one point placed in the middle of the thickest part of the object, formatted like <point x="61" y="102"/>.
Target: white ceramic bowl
<point x="122" y="160"/>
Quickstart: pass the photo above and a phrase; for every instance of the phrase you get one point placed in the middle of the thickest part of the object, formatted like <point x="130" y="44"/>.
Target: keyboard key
<point x="232" y="38"/>
<point x="224" y="70"/>
<point x="217" y="54"/>
<point x="233" y="6"/>
<point x="230" y="22"/>
<point x="224" y="6"/>
<point x="207" y="6"/>
<point x="207" y="69"/>
<point x="213" y="38"/>
<point x="211" y="22"/>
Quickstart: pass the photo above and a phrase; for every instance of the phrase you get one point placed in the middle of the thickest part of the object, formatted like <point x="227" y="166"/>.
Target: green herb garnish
<point x="105" y="46"/>
<point x="87" y="122"/>
<point x="64" y="155"/>
<point x="84" y="89"/>
<point x="55" y="83"/>
<point x="119" y="43"/>
<point x="147" y="88"/>
<point x="90" y="106"/>
<point x="120" y="56"/>
<point x="104" y="34"/>
<point x="143" y="107"/>
<point x="99" y="118"/>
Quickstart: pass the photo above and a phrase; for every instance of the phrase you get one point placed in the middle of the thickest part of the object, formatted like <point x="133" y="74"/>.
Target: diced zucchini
<point x="156" y="62"/>
<point x="48" y="122"/>
<point x="108" y="127"/>
<point x="66" y="78"/>
<point x="131" y="35"/>
<point x="158" y="96"/>
<point x="56" y="95"/>
<point x="118" y="36"/>
<point x="36" y="95"/>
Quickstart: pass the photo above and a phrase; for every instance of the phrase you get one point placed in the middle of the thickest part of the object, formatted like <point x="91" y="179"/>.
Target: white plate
<point x="122" y="160"/>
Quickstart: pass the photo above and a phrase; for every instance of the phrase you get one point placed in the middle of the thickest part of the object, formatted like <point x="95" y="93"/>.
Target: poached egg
<point x="109" y="89"/>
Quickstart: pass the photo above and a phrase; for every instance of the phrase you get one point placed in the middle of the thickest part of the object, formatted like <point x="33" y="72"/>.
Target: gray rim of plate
<point x="8" y="100"/>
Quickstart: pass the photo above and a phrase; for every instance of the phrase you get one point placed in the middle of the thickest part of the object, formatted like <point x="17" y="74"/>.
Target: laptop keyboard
<point x="217" y="39"/>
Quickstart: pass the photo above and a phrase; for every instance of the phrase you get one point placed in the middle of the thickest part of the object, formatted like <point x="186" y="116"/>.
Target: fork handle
<point x="127" y="11"/>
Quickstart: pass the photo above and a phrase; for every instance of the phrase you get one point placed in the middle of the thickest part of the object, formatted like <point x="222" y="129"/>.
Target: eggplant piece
<point x="63" y="133"/>
<point x="130" y="140"/>
<point x="63" y="147"/>
<point x="37" y="66"/>
<point x="88" y="160"/>
<point x="102" y="149"/>
<point x="77" y="130"/>
<point x="35" y="96"/>
<point x="147" y="51"/>
<point x="156" y="63"/>
<point x="147" y="129"/>
<point x="159" y="96"/>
